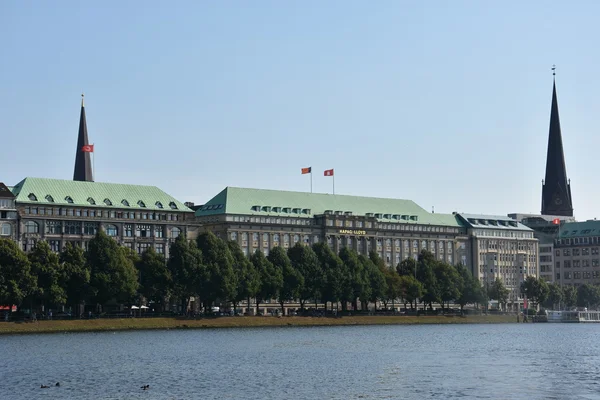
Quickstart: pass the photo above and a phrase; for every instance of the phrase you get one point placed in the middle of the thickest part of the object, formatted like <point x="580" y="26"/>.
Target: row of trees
<point x="214" y="271"/>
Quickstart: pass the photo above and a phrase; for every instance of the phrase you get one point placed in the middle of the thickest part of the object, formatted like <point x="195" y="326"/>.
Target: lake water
<point x="505" y="361"/>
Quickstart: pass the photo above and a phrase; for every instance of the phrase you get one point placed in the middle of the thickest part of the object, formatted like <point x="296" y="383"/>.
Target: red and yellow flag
<point x="306" y="170"/>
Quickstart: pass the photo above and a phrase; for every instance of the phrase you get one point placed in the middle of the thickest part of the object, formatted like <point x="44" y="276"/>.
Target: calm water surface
<point x="524" y="361"/>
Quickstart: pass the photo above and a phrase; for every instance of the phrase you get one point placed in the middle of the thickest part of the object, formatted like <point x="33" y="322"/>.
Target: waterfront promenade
<point x="94" y="325"/>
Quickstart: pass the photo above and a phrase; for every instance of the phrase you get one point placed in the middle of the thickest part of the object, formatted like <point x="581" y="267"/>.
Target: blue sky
<point x="445" y="103"/>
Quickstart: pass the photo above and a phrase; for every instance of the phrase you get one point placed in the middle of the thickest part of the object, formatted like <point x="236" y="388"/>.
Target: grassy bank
<point x="97" y="325"/>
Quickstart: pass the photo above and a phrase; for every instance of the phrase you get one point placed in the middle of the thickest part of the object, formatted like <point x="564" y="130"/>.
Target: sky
<point x="446" y="103"/>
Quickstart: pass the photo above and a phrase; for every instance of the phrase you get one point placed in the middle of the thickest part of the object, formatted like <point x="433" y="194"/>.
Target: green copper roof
<point x="496" y="222"/>
<point x="89" y="194"/>
<point x="264" y="202"/>
<point x="580" y="229"/>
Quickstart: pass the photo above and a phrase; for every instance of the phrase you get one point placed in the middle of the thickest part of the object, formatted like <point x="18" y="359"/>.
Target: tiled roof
<point x="263" y="202"/>
<point x="580" y="229"/>
<point x="90" y="194"/>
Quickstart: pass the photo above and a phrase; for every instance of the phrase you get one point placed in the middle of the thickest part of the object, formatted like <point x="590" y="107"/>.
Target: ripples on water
<point x="524" y="361"/>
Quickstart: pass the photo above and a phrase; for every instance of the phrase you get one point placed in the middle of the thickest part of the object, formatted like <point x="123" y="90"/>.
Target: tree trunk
<point x="248" y="305"/>
<point x="257" y="304"/>
<point x="281" y="303"/>
<point x="301" y="305"/>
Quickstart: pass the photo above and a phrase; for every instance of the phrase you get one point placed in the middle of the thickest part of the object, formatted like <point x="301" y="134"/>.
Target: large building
<point x="577" y="253"/>
<point x="61" y="211"/>
<point x="500" y="247"/>
<point x="8" y="213"/>
<point x="396" y="229"/>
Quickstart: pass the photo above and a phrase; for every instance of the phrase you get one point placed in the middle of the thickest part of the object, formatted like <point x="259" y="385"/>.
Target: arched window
<point x="32" y="197"/>
<point x="111" y="230"/>
<point x="158" y="204"/>
<point x="175" y="232"/>
<point x="107" y="202"/>
<point x="32" y="227"/>
<point x="125" y="203"/>
<point x="69" y="200"/>
<point x="49" y="199"/>
<point x="5" y="229"/>
<point x="296" y="238"/>
<point x="173" y="205"/>
<point x="91" y="201"/>
<point x="141" y="204"/>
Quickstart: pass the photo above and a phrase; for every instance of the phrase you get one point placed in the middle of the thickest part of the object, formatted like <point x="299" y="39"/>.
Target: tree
<point x="292" y="280"/>
<point x="77" y="274"/>
<point x="588" y="296"/>
<point x="247" y="277"/>
<point x="220" y="282"/>
<point x="448" y="281"/>
<point x="112" y="271"/>
<point x="408" y="266"/>
<point x="497" y="291"/>
<point x="305" y="261"/>
<point x="470" y="290"/>
<point x="555" y="296"/>
<point x="50" y="275"/>
<point x="271" y="278"/>
<point x="393" y="284"/>
<point x="16" y="279"/>
<point x="155" y="277"/>
<point x="535" y="289"/>
<point x="187" y="271"/>
<point x="333" y="271"/>
<point x="411" y="290"/>
<point x="570" y="295"/>
<point x="355" y="283"/>
<point x="375" y="270"/>
<point x="426" y="275"/>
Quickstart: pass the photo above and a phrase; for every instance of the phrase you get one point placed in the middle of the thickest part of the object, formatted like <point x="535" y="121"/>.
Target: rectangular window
<point x="143" y="230"/>
<point x="90" y="228"/>
<point x="160" y="248"/>
<point x="142" y="247"/>
<point x="54" y="227"/>
<point x="54" y="245"/>
<point x="85" y="213"/>
<point x="159" y="231"/>
<point x="128" y="230"/>
<point x="72" y="228"/>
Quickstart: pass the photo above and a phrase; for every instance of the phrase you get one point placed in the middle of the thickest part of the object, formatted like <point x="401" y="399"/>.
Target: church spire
<point x="556" y="189"/>
<point x="83" y="164"/>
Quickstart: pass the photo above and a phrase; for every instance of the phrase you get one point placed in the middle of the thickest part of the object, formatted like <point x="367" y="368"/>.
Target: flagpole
<point x="311" y="179"/>
<point x="93" y="166"/>
<point x="333" y="180"/>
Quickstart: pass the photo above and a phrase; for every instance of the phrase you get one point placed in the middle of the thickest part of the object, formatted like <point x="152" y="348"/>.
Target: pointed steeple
<point x="83" y="164"/>
<point x="556" y="188"/>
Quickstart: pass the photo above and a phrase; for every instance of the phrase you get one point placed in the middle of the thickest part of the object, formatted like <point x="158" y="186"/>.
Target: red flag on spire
<point x="88" y="148"/>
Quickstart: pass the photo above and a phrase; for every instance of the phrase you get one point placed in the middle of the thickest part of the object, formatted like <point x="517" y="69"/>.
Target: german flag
<point x="306" y="170"/>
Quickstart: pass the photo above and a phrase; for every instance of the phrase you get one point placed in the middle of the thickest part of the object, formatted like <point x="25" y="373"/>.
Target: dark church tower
<point x="83" y="164"/>
<point x="556" y="189"/>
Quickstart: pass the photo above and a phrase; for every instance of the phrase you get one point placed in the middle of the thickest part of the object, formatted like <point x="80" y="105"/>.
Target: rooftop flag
<point x="88" y="148"/>
<point x="328" y="172"/>
<point x="306" y="170"/>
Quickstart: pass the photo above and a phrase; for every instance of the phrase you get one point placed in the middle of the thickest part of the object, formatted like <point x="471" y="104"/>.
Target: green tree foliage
<point x="375" y="270"/>
<point x="588" y="296"/>
<point x="333" y="272"/>
<point x="220" y="280"/>
<point x="247" y="276"/>
<point x="408" y="266"/>
<point x="305" y="261"/>
<point x="187" y="271"/>
<point x="292" y="280"/>
<point x="470" y="288"/>
<point x="555" y="296"/>
<point x="50" y="276"/>
<point x="112" y="271"/>
<point x="426" y="275"/>
<point x="535" y="289"/>
<point x="448" y="281"/>
<point x="77" y="274"/>
<point x="570" y="295"/>
<point x="356" y="282"/>
<point x="393" y="285"/>
<point x="16" y="280"/>
<point x="271" y="278"/>
<point x="497" y="291"/>
<point x="155" y="277"/>
<point x="411" y="290"/>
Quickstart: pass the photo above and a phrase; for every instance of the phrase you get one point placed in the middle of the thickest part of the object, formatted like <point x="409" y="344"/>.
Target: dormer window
<point x="387" y="216"/>
<point x="125" y="203"/>
<point x="158" y="204"/>
<point x="91" y="201"/>
<point x="296" y="210"/>
<point x="32" y="197"/>
<point x="107" y="202"/>
<point x="69" y="200"/>
<point x="141" y="204"/>
<point x="287" y="210"/>
<point x="276" y="209"/>
<point x="256" y="208"/>
<point x="172" y="205"/>
<point x="49" y="199"/>
<point x="378" y="215"/>
<point x="307" y="211"/>
<point x="265" y="209"/>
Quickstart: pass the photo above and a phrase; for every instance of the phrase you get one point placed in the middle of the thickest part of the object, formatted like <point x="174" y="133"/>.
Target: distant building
<point x="8" y="213"/>
<point x="500" y="247"/>
<point x="396" y="229"/>
<point x="577" y="253"/>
